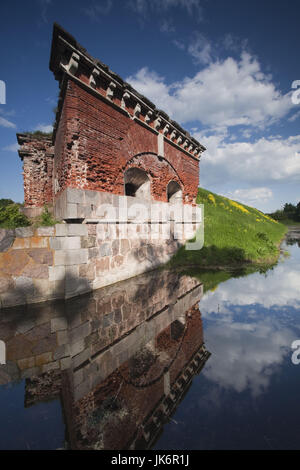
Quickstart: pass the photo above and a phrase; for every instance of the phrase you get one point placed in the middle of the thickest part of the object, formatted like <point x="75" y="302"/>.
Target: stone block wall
<point x="109" y="144"/>
<point x="93" y="348"/>
<point x="64" y="335"/>
<point x="67" y="260"/>
<point x="99" y="207"/>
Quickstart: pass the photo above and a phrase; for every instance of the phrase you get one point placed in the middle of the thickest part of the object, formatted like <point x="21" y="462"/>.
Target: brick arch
<point x="137" y="183"/>
<point x="174" y="191"/>
<point x="159" y="170"/>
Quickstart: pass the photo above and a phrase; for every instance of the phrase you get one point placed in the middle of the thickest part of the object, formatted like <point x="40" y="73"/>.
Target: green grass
<point x="211" y="279"/>
<point x="234" y="234"/>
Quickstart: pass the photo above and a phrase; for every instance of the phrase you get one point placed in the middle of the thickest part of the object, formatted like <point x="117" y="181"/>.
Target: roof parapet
<point x="67" y="55"/>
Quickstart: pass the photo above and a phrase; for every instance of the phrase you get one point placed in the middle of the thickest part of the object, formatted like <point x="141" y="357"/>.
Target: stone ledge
<point x="24" y="232"/>
<point x="96" y="206"/>
<point x="7" y="238"/>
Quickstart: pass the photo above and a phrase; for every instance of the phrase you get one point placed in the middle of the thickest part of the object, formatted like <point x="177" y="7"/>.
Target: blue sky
<point x="223" y="70"/>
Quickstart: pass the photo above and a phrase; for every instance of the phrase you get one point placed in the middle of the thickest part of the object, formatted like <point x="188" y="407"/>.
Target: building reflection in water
<point x="120" y="359"/>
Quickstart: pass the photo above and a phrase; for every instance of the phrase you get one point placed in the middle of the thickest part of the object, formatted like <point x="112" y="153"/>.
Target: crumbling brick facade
<point x="117" y="170"/>
<point x="104" y="128"/>
<point x="37" y="154"/>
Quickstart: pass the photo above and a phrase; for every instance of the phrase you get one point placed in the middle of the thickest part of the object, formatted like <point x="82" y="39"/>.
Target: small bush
<point x="11" y="217"/>
<point x="46" y="219"/>
<point x="6" y="202"/>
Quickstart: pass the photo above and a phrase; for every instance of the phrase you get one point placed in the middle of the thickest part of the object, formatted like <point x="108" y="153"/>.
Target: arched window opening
<point x="174" y="192"/>
<point x="137" y="183"/>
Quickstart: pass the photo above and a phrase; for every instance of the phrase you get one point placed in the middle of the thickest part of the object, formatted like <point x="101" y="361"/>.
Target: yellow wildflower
<point x="269" y="218"/>
<point x="239" y="206"/>
<point x="213" y="289"/>
<point x="211" y="198"/>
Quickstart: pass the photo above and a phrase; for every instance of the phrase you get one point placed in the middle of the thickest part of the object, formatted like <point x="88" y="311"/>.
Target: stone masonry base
<point x="67" y="260"/>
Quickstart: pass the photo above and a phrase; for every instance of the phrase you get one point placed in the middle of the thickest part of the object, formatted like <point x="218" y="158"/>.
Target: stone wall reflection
<point x="120" y="359"/>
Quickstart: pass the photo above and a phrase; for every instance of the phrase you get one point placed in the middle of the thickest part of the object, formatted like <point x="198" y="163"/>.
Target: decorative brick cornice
<point x="71" y="59"/>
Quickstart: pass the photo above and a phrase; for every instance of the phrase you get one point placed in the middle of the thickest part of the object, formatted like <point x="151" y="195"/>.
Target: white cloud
<point x="265" y="160"/>
<point x="251" y="196"/>
<point x="44" y="128"/>
<point x="11" y="148"/>
<point x="5" y="123"/>
<point x="200" y="49"/>
<point x="51" y="100"/>
<point x="248" y="344"/>
<point x="44" y="4"/>
<point x="294" y="116"/>
<point x="233" y="43"/>
<point x="167" y="26"/>
<point x="151" y="85"/>
<point x="280" y="289"/>
<point x="224" y="93"/>
<point x="179" y="44"/>
<point x="229" y="42"/>
<point x="95" y="10"/>
<point x="247" y="133"/>
<point x="246" y="355"/>
<point x="142" y="7"/>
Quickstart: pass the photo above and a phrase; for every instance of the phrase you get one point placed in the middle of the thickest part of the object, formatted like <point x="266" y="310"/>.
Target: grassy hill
<point x="234" y="234"/>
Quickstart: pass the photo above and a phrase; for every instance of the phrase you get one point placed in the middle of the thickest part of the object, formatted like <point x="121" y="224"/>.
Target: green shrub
<point x="46" y="219"/>
<point x="6" y="202"/>
<point x="11" y="217"/>
<point x="289" y="213"/>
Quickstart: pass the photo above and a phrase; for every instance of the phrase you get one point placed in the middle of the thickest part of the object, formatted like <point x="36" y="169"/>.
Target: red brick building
<point x="107" y="138"/>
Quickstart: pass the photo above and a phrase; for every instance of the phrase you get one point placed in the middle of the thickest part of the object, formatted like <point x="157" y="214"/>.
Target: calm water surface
<point x="153" y="362"/>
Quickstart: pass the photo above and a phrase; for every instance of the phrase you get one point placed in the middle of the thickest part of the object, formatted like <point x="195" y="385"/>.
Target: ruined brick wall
<point x="103" y="128"/>
<point x="111" y="144"/>
<point x="60" y="152"/>
<point x="37" y="155"/>
<point x="96" y="143"/>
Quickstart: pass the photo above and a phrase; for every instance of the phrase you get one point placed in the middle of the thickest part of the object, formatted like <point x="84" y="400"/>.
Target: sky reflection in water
<point x="247" y="394"/>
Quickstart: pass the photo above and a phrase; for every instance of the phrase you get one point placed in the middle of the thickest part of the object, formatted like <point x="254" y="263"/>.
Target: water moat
<point x="160" y="361"/>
